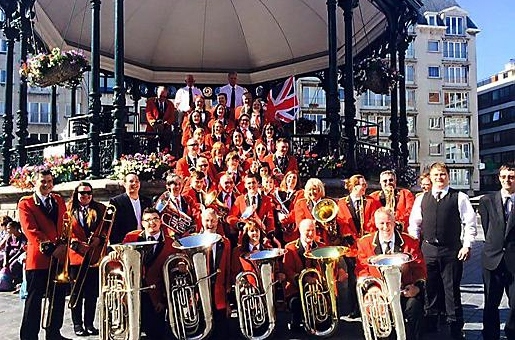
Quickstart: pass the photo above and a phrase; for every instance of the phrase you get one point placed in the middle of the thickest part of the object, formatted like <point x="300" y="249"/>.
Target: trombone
<point x="55" y="276"/>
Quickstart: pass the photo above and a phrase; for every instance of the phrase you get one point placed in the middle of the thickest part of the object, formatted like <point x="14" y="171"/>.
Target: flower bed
<point x="147" y="167"/>
<point x="56" y="68"/>
<point x="313" y="165"/>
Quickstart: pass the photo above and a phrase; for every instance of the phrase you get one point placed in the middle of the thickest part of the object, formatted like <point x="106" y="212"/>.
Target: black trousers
<point x="413" y="311"/>
<point x="496" y="282"/>
<point x="31" y="321"/>
<point x="443" y="270"/>
<point x="152" y="323"/>
<point x="87" y="298"/>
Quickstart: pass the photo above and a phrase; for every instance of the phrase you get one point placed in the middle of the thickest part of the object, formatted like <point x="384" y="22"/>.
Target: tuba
<point x="325" y="212"/>
<point x="57" y="272"/>
<point x="255" y="294"/>
<point x="93" y="256"/>
<point x="120" y="286"/>
<point x="319" y="298"/>
<point x="381" y="311"/>
<point x="189" y="291"/>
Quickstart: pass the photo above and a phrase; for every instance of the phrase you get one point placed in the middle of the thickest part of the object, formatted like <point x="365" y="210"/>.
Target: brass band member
<point x="86" y="218"/>
<point x="153" y="301"/>
<point x="161" y="116"/>
<point x="41" y="218"/>
<point x="289" y="193"/>
<point x="355" y="219"/>
<point x="280" y="162"/>
<point x="389" y="240"/>
<point x="398" y="199"/>
<point x="314" y="191"/>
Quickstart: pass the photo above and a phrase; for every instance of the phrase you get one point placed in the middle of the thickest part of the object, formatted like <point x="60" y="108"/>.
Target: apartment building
<point x="496" y="104"/>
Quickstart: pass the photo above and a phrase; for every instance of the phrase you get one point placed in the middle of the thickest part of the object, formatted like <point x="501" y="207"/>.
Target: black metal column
<point x="332" y="100"/>
<point x="119" y="110"/>
<point x="94" y="93"/>
<point x="73" y="94"/>
<point x="348" y="88"/>
<point x="53" y="114"/>
<point x="22" y="121"/>
<point x="394" y="116"/>
<point x="403" y="119"/>
<point x="10" y="33"/>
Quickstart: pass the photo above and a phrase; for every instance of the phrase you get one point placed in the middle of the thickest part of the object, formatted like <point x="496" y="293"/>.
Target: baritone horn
<point x="120" y="288"/>
<point x="211" y="201"/>
<point x="93" y="255"/>
<point x="381" y="310"/>
<point x="188" y="291"/>
<point x="319" y="302"/>
<point x="325" y="212"/>
<point x="255" y="294"/>
<point x="57" y="272"/>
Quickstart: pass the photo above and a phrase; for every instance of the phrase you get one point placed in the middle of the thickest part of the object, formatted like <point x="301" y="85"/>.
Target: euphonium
<point x="120" y="287"/>
<point x="172" y="217"/>
<point x="319" y="298"/>
<point x="381" y="311"/>
<point x="189" y="291"/>
<point x="255" y="294"/>
<point x="93" y="255"/>
<point x="325" y="212"/>
<point x="57" y="273"/>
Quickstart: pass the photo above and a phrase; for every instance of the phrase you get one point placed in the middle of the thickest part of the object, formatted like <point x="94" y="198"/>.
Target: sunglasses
<point x="390" y="180"/>
<point x="85" y="193"/>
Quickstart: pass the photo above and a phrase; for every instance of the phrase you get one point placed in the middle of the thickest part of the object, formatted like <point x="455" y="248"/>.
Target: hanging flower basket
<point x="55" y="68"/>
<point x="374" y="74"/>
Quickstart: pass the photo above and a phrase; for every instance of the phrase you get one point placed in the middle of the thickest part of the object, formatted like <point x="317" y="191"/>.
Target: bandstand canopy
<point x="164" y="39"/>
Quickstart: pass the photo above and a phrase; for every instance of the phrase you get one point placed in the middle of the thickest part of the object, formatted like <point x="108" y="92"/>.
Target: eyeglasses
<point x="389" y="180"/>
<point x="511" y="178"/>
<point x="194" y="144"/>
<point x="85" y="193"/>
<point x="173" y="182"/>
<point x="153" y="219"/>
<point x="202" y="165"/>
<point x="244" y="120"/>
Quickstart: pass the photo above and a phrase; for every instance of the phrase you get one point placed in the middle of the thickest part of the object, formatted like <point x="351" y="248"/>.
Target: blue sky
<point x="496" y="41"/>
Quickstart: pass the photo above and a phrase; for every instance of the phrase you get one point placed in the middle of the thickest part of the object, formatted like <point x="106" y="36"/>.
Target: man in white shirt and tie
<point x="234" y="92"/>
<point x="184" y="98"/>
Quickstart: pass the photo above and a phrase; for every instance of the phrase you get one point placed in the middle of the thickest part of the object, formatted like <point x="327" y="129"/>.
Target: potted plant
<point x="55" y="68"/>
<point x="376" y="75"/>
<point x="147" y="167"/>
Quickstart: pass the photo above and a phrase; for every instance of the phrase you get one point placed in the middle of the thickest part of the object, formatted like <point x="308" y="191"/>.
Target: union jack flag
<point x="282" y="101"/>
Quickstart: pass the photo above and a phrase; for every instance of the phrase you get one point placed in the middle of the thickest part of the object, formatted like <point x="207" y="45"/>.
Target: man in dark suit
<point x="498" y="221"/>
<point x="129" y="208"/>
<point x="41" y="218"/>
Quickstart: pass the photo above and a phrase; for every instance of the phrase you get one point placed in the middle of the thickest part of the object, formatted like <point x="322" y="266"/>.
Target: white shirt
<point x="182" y="97"/>
<point x="136" y="206"/>
<point x="238" y="90"/>
<point x="467" y="215"/>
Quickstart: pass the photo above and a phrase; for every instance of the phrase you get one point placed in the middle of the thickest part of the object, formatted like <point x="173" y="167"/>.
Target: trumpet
<point x="255" y="294"/>
<point x="381" y="311"/>
<point x="54" y="276"/>
<point x="319" y="302"/>
<point x="189" y="293"/>
<point x="93" y="256"/>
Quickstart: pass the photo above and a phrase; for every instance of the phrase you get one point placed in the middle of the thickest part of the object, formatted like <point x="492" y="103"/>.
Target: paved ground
<point x="472" y="296"/>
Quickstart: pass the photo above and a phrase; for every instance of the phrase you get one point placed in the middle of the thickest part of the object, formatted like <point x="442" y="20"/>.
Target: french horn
<point x="381" y="310"/>
<point x="189" y="291"/>
<point x="120" y="286"/>
<point x="255" y="294"/>
<point x="319" y="302"/>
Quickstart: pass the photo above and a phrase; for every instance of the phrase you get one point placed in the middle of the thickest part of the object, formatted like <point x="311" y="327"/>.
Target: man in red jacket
<point x="41" y="218"/>
<point x="161" y="116"/>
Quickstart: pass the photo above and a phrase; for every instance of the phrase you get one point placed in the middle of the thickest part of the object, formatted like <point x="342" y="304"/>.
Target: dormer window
<point x="454" y="25"/>
<point x="431" y="20"/>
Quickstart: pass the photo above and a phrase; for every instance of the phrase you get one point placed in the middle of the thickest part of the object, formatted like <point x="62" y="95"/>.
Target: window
<point x="313" y="96"/>
<point x="39" y="113"/>
<point x="411" y="126"/>
<point x="435" y="123"/>
<point x="457" y="127"/>
<point x="433" y="46"/>
<point x="3" y="76"/>
<point x="433" y="71"/>
<point x="410" y="100"/>
<point x="496" y="116"/>
<point x="37" y="138"/>
<point x="371" y="99"/>
<point x="459" y="178"/>
<point x="457" y="152"/>
<point x="413" y="152"/>
<point x="434" y="97"/>
<point x="454" y="25"/>
<point x="456" y="75"/>
<point x="3" y="46"/>
<point x="454" y="50"/>
<point x="68" y="110"/>
<point x="435" y="149"/>
<point x="410" y="51"/>
<point x="2" y="108"/>
<point x="456" y="101"/>
<point x="431" y="20"/>
<point x="383" y="124"/>
<point x="410" y="74"/>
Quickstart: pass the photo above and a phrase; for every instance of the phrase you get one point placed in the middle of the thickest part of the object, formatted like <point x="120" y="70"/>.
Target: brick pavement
<point x="472" y="296"/>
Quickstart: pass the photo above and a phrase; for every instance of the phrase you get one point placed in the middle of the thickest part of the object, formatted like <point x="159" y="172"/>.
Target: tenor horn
<point x="319" y="302"/>
<point x="93" y="255"/>
<point x="120" y="290"/>
<point x="255" y="294"/>
<point x="189" y="291"/>
<point x="381" y="310"/>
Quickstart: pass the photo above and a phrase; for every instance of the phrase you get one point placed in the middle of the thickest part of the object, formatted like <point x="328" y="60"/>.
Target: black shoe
<point x="92" y="330"/>
<point x="354" y="314"/>
<point x="80" y="331"/>
<point x="457" y="332"/>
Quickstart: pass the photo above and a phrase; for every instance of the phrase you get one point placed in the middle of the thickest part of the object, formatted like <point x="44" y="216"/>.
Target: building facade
<point x="496" y="104"/>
